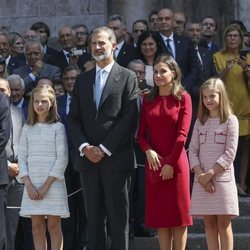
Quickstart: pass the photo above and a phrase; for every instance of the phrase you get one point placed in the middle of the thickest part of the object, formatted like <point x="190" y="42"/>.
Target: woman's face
<point x="148" y="47"/>
<point x="233" y="39"/>
<point x="163" y="75"/>
<point x="17" y="47"/>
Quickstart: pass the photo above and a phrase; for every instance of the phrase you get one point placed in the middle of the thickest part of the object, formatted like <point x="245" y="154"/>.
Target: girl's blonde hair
<point x="225" y="109"/>
<point x="177" y="89"/>
<point x="52" y="115"/>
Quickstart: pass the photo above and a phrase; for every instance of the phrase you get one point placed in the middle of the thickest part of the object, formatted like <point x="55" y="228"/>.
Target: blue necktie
<point x="98" y="87"/>
<point x="170" y="51"/>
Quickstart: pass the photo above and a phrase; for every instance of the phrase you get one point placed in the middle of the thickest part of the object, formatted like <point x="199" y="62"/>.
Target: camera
<point x="244" y="52"/>
<point x="76" y="52"/>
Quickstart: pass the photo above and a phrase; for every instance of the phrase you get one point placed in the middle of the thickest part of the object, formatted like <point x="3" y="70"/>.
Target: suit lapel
<point x="177" y="44"/>
<point x="111" y="83"/>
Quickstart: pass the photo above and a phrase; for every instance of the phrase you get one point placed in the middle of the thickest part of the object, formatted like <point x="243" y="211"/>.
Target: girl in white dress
<point x="211" y="153"/>
<point x="43" y="157"/>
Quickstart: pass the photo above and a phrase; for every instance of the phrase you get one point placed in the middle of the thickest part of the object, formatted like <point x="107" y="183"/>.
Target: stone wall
<point x="19" y="15"/>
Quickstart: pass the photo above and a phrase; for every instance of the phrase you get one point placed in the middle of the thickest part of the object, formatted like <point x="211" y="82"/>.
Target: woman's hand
<point x="44" y="188"/>
<point x="205" y="178"/>
<point x="153" y="159"/>
<point x="230" y="63"/>
<point x="167" y="172"/>
<point x="32" y="192"/>
<point x="209" y="187"/>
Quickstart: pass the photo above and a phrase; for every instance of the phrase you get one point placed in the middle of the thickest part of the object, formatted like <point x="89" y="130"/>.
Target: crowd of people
<point x="102" y="141"/>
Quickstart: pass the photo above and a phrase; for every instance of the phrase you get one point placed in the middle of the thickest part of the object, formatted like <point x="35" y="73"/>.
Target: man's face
<point x="69" y="79"/>
<point x="66" y="38"/>
<point x="180" y="21"/>
<point x="194" y="32"/>
<point x="118" y="29"/>
<point x="208" y="27"/>
<point x="33" y="54"/>
<point x="139" y="70"/>
<point x="81" y="35"/>
<point x="30" y="34"/>
<point x="138" y="28"/>
<point x="4" y="88"/>
<point x="166" y="21"/>
<point x="153" y="22"/>
<point x="4" y="46"/>
<point x="17" y="91"/>
<point x="43" y="36"/>
<point x="101" y="47"/>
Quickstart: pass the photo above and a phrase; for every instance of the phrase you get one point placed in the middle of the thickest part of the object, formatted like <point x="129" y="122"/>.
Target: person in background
<point x="148" y="49"/>
<point x="58" y="88"/>
<point x="211" y="153"/>
<point x="16" y="44"/>
<point x="208" y="32"/>
<point x="153" y="20"/>
<point x="81" y="36"/>
<point x="163" y="128"/>
<point x="233" y="67"/>
<point x="138" y="27"/>
<point x="137" y="188"/>
<point x="180" y="23"/>
<point x="5" y="125"/>
<point x="14" y="188"/>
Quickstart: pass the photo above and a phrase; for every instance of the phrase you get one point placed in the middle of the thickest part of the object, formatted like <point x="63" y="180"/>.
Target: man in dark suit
<point x="102" y="120"/>
<point x="124" y="52"/>
<point x="14" y="189"/>
<point x="5" y="124"/>
<point x="179" y="47"/>
<point x="66" y="37"/>
<point x="35" y="67"/>
<point x="208" y="32"/>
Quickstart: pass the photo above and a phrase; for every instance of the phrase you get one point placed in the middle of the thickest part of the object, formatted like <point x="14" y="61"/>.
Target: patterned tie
<point x="99" y="84"/>
<point x="170" y="51"/>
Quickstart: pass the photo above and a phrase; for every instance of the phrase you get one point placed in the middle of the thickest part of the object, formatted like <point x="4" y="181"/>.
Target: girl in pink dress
<point x="211" y="153"/>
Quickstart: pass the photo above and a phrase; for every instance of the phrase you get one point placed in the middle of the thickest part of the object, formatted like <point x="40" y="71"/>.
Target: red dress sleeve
<point x="183" y="125"/>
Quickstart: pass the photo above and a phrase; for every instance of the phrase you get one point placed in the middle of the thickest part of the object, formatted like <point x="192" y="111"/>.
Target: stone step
<point x="198" y="241"/>
<point x="194" y="242"/>
<point x="244" y="205"/>
<point x="240" y="224"/>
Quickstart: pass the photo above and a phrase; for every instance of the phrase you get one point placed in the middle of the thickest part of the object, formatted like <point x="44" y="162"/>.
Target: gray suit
<point x="14" y="189"/>
<point x="48" y="71"/>
<point x="105" y="184"/>
<point x="5" y="124"/>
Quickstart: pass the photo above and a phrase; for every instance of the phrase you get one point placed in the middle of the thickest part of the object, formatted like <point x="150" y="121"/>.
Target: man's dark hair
<point x="40" y="25"/>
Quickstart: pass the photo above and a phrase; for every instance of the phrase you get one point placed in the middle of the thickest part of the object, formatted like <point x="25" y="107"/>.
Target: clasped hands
<point x="93" y="153"/>
<point x="205" y="180"/>
<point x="154" y="163"/>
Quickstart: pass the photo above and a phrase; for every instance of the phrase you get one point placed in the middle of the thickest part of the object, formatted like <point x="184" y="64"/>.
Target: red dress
<point x="164" y="125"/>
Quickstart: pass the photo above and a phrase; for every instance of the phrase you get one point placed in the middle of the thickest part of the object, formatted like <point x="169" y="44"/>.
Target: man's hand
<point x="13" y="169"/>
<point x="93" y="153"/>
<point x="37" y="67"/>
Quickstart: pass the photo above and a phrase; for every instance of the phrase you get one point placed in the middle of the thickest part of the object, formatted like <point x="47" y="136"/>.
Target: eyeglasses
<point x="82" y="33"/>
<point x="233" y="35"/>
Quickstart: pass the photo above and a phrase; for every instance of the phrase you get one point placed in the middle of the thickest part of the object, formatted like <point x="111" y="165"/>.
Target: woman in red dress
<point x="164" y="125"/>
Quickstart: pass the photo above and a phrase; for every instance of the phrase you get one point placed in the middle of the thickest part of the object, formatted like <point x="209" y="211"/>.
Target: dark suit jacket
<point x="60" y="60"/>
<point x="112" y="125"/>
<point x="5" y="124"/>
<point x="49" y="71"/>
<point x="186" y="59"/>
<point x="126" y="55"/>
<point x="14" y="63"/>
